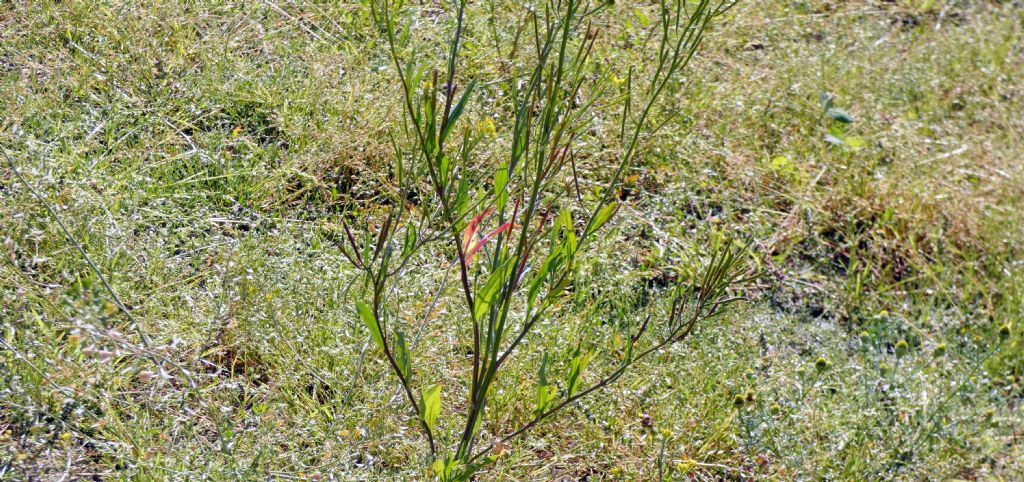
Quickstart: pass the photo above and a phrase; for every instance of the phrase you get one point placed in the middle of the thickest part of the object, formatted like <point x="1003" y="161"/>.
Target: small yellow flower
<point x="686" y="465"/>
<point x="487" y="128"/>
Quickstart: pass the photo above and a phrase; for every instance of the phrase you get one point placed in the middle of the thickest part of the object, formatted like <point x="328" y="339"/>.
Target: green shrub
<point x="534" y="224"/>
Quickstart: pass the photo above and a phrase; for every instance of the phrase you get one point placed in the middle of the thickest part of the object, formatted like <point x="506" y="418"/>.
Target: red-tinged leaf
<point x="480" y="244"/>
<point x="469" y="234"/>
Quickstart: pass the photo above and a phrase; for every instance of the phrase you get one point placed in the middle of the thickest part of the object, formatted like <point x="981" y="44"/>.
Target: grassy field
<point x="203" y="154"/>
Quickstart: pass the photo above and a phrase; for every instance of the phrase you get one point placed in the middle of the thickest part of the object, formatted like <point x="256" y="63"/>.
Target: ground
<point x="203" y="154"/>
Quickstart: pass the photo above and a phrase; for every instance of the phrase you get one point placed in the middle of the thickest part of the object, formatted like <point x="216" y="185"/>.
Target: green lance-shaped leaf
<point x="545" y="390"/>
<point x="450" y="469"/>
<point x="550" y="265"/>
<point x="443" y="169"/>
<point x="410" y="240"/>
<point x="490" y="291"/>
<point x="430" y="405"/>
<point x="627" y="357"/>
<point x="576" y="366"/>
<point x="500" y="182"/>
<point x="557" y="290"/>
<point x="569" y="232"/>
<point x="366" y="314"/>
<point x="367" y="250"/>
<point x="456" y="112"/>
<point x="461" y="203"/>
<point x="602" y="217"/>
<point x="480" y="417"/>
<point x="839" y="115"/>
<point x="413" y="75"/>
<point x="430" y="117"/>
<point x="404" y="359"/>
<point x="826" y="100"/>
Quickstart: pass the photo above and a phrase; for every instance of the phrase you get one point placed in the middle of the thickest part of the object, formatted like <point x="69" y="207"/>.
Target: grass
<point x="202" y="155"/>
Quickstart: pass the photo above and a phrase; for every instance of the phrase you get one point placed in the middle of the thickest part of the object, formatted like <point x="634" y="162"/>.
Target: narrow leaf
<point x="545" y="391"/>
<point x="538" y="280"/>
<point x="826" y="100"/>
<point x="366" y="314"/>
<point x="410" y="240"/>
<point x="471" y="229"/>
<point x="480" y="244"/>
<point x="602" y="217"/>
<point x="457" y="110"/>
<point x="576" y="366"/>
<point x="839" y="115"/>
<point x="490" y="291"/>
<point x="500" y="182"/>
<point x="404" y="359"/>
<point x="569" y="232"/>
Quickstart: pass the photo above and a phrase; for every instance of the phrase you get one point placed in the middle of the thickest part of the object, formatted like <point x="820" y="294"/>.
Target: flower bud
<point x="901" y="348"/>
<point x="821" y="365"/>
